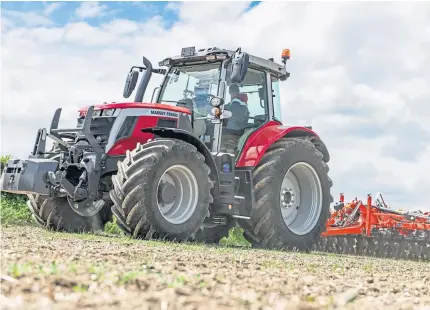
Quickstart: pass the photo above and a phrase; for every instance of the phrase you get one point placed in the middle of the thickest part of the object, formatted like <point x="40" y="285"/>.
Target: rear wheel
<point x="56" y="214"/>
<point x="292" y="197"/>
<point x="162" y="190"/>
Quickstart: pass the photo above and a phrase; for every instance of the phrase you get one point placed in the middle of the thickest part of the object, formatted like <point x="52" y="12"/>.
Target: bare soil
<point x="43" y="270"/>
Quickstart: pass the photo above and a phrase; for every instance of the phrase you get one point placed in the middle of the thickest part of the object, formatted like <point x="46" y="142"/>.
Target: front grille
<point x="100" y="128"/>
<point x="167" y="123"/>
<point x="127" y="127"/>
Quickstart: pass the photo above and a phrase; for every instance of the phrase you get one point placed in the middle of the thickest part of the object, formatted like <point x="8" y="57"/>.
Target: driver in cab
<point x="238" y="107"/>
<point x="233" y="130"/>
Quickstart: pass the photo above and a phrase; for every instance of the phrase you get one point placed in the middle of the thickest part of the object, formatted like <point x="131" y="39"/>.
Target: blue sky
<point x="134" y="11"/>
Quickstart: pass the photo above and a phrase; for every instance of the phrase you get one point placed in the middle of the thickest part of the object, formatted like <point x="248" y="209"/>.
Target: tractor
<point x="207" y="153"/>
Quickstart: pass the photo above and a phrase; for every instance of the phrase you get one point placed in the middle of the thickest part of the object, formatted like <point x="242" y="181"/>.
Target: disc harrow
<point x="376" y="230"/>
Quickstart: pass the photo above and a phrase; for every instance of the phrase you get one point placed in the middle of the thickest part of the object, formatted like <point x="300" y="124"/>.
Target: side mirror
<point x="130" y="83"/>
<point x="239" y="66"/>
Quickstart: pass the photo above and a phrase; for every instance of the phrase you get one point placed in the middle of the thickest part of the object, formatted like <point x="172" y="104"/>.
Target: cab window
<point x="252" y="93"/>
<point x="276" y="99"/>
<point x="248" y="104"/>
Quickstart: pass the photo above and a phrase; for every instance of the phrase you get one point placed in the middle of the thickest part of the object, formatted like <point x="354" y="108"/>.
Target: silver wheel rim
<point x="185" y="191"/>
<point x="91" y="209"/>
<point x="301" y="198"/>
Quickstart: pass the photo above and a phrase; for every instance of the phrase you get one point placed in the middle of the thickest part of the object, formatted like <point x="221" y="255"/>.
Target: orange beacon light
<point x="286" y="54"/>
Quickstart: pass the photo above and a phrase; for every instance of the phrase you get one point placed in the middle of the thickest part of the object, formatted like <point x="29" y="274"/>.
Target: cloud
<point x="52" y="7"/>
<point x="173" y="6"/>
<point x="31" y="19"/>
<point x="90" y="10"/>
<point x="359" y="76"/>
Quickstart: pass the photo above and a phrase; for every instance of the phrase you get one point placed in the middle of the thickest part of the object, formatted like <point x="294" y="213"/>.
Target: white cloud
<point x="173" y="6"/>
<point x="90" y="10"/>
<point x="52" y="7"/>
<point x="31" y="19"/>
<point x="359" y="75"/>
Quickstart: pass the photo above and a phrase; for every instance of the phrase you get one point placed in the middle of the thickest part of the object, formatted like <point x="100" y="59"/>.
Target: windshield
<point x="196" y="82"/>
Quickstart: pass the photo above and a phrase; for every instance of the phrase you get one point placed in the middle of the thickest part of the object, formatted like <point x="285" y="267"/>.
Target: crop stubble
<point x="43" y="270"/>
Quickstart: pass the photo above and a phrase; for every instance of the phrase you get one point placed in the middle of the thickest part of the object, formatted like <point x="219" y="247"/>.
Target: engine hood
<point x="134" y="105"/>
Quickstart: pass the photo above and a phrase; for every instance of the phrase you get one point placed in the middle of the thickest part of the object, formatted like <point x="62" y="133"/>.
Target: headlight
<point x="216" y="101"/>
<point x="108" y="112"/>
<point x="81" y="114"/>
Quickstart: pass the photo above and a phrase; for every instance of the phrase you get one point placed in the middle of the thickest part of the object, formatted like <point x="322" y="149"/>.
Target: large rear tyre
<point x="162" y="190"/>
<point x="57" y="215"/>
<point x="292" y="197"/>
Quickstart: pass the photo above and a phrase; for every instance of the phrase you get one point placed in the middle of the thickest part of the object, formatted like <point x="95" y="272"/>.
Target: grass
<point x="13" y="210"/>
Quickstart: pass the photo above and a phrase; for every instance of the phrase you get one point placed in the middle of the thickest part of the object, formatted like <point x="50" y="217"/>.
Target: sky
<point x="359" y="73"/>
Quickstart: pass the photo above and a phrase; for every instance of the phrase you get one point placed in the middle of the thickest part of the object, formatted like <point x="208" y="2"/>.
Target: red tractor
<point x="208" y="152"/>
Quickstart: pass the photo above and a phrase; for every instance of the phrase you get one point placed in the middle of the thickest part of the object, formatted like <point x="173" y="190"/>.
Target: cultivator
<point x="376" y="230"/>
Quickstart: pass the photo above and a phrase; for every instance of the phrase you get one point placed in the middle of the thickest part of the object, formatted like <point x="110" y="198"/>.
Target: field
<point x="45" y="270"/>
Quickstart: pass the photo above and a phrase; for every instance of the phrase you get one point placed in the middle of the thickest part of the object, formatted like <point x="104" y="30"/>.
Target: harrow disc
<point x="379" y="246"/>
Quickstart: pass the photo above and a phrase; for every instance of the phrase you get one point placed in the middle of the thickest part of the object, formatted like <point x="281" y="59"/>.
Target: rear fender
<point x="259" y="141"/>
<point x="186" y="136"/>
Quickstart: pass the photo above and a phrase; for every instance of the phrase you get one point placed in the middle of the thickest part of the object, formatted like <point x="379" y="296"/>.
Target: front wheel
<point x="162" y="190"/>
<point x="292" y="197"/>
<point x="57" y="215"/>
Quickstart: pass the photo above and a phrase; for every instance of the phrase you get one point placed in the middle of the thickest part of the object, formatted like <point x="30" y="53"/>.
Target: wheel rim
<point x="301" y="198"/>
<point x="90" y="208"/>
<point x="177" y="194"/>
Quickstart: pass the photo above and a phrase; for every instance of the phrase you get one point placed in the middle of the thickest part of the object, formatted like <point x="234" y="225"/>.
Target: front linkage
<point x="375" y="230"/>
<point x="71" y="170"/>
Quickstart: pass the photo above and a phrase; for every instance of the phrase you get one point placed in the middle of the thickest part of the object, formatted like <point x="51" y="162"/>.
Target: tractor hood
<point x="135" y="105"/>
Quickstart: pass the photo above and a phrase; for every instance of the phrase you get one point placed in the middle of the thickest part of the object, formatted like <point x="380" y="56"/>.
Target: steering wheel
<point x="188" y="93"/>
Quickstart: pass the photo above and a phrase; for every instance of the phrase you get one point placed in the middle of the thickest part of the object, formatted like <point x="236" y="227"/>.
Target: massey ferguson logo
<point x="164" y="113"/>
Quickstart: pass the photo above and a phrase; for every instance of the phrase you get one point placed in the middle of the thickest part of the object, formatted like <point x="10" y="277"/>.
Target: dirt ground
<point x="43" y="270"/>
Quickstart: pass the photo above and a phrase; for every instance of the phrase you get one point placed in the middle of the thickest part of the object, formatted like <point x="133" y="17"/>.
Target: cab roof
<point x="191" y="55"/>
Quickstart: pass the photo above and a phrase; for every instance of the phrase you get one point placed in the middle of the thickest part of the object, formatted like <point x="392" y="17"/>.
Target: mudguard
<point x="194" y="140"/>
<point x="259" y="141"/>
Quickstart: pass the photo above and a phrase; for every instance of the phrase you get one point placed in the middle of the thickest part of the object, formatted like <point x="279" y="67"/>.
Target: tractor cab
<point x="230" y="93"/>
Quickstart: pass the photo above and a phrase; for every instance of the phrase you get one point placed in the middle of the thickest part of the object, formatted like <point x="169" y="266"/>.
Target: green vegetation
<point x="3" y="161"/>
<point x="112" y="228"/>
<point x="235" y="238"/>
<point x="13" y="210"/>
